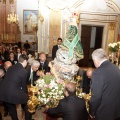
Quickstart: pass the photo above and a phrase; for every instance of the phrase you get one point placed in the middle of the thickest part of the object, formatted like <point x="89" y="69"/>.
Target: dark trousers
<point x="0" y="116"/>
<point x="5" y="108"/>
<point x="12" y="111"/>
<point x="28" y="115"/>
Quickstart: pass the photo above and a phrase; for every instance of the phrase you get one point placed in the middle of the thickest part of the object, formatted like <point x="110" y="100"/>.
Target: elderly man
<point x="105" y="99"/>
<point x="1" y="79"/>
<point x="7" y="64"/>
<point x="87" y="75"/>
<point x="72" y="107"/>
<point x="32" y="72"/>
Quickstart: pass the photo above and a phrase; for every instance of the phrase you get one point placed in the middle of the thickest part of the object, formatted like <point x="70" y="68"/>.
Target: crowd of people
<point x="16" y="73"/>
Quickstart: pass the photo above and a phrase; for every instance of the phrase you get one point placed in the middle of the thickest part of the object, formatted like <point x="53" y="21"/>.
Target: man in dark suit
<point x="18" y="53"/>
<point x="87" y="75"/>
<point x="105" y="88"/>
<point x="72" y="107"/>
<point x="56" y="47"/>
<point x="27" y="45"/>
<point x="15" y="83"/>
<point x="32" y="72"/>
<point x="1" y="80"/>
<point x="43" y="63"/>
<point x="6" y="66"/>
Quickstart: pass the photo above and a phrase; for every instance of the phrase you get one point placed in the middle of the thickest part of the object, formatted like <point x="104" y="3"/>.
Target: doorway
<point x="91" y="39"/>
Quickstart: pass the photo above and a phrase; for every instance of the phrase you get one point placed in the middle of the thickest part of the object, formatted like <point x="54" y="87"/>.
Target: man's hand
<point x="92" y="117"/>
<point x="40" y="73"/>
<point x="46" y="107"/>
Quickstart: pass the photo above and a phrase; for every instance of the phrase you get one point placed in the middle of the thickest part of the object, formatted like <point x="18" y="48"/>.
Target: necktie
<point x="31" y="77"/>
<point x="42" y="63"/>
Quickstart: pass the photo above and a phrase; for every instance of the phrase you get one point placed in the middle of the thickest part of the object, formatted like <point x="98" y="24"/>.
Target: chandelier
<point x="12" y="17"/>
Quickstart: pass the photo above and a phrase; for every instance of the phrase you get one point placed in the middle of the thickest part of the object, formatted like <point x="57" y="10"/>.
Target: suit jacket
<point x="28" y="68"/>
<point x="86" y="83"/>
<point x="17" y="57"/>
<point x="72" y="108"/>
<point x="54" y="50"/>
<point x="13" y="61"/>
<point x="105" y="100"/>
<point x="80" y="73"/>
<point x="44" y="66"/>
<point x="1" y="80"/>
<point x="13" y="89"/>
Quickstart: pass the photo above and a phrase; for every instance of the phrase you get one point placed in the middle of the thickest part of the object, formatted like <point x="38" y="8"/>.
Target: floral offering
<point x="50" y="92"/>
<point x="113" y="47"/>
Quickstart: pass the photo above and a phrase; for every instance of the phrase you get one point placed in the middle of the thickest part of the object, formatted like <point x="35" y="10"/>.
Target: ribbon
<point x="71" y="45"/>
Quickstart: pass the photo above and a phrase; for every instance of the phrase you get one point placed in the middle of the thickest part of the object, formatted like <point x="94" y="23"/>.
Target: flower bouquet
<point x="50" y="92"/>
<point x="113" y="47"/>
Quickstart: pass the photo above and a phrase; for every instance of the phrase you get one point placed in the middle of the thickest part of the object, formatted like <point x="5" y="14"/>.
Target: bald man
<point x="72" y="107"/>
<point x="87" y="75"/>
<point x="1" y="79"/>
<point x="7" y="64"/>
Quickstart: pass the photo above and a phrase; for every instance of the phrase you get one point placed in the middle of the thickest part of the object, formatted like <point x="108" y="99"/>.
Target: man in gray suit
<point x="105" y="87"/>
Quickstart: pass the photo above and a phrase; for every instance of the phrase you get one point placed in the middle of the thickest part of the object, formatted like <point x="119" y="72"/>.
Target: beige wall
<point x="55" y="27"/>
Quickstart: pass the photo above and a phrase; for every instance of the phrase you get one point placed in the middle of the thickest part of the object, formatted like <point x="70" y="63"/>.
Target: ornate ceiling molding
<point x="111" y="6"/>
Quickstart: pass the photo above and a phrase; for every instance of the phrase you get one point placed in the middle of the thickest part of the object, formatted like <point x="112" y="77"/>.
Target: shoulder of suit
<point x="28" y="67"/>
<point x="55" y="46"/>
<point x="17" y="65"/>
<point x="46" y="62"/>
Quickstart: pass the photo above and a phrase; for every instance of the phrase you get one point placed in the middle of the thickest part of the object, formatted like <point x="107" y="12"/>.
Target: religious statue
<point x="64" y="65"/>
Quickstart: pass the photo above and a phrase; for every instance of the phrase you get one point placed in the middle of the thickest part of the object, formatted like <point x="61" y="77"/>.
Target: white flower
<point x="49" y="90"/>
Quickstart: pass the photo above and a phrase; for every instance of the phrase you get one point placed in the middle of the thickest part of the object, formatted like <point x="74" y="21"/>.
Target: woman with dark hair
<point x="12" y="58"/>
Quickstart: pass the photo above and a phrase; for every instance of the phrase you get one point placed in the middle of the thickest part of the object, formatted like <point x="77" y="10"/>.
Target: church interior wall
<point x="25" y="5"/>
<point x="55" y="26"/>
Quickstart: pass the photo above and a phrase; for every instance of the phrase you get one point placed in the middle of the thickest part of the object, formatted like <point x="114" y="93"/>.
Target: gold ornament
<point x="33" y="100"/>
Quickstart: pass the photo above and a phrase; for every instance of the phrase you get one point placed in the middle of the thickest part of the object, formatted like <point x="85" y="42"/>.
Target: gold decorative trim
<point x="112" y="26"/>
<point x="11" y="1"/>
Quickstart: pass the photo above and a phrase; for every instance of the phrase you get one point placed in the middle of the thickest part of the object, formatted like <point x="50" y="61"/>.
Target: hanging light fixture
<point x="12" y="17"/>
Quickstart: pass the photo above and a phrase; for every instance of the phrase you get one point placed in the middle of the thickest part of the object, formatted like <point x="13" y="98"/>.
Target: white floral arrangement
<point x="113" y="47"/>
<point x="50" y="92"/>
<point x="118" y="44"/>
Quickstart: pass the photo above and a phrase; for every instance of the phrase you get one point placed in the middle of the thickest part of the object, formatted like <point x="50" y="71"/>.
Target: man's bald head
<point x="89" y="72"/>
<point x="7" y="64"/>
<point x="70" y="88"/>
